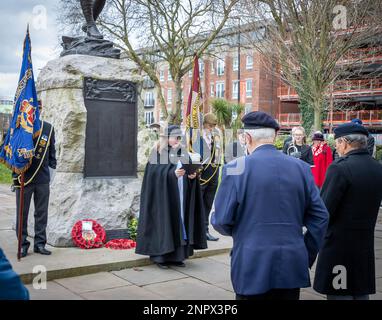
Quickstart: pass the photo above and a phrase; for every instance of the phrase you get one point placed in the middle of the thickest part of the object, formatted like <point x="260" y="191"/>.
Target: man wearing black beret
<point x="352" y="193"/>
<point x="263" y="202"/>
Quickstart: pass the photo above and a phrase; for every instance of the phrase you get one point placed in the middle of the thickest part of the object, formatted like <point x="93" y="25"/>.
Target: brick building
<point x="220" y="78"/>
<point x="358" y="96"/>
<point x="355" y="95"/>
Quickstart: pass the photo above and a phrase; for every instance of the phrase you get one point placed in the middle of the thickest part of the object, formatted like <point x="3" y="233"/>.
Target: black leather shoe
<point x="162" y="265"/>
<point x="178" y="264"/>
<point x="24" y="251"/>
<point x="42" y="250"/>
<point x="210" y="237"/>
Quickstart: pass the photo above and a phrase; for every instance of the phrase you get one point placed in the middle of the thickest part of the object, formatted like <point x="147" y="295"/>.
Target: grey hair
<point x="263" y="134"/>
<point x="358" y="141"/>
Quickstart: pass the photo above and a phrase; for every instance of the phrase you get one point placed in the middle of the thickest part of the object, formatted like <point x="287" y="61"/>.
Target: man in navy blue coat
<point x="11" y="287"/>
<point x="263" y="202"/>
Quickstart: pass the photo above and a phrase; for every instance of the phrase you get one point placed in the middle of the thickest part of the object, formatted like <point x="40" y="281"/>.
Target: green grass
<point x="5" y="174"/>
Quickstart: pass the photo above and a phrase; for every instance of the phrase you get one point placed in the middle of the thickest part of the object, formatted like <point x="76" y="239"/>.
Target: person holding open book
<point x="171" y="219"/>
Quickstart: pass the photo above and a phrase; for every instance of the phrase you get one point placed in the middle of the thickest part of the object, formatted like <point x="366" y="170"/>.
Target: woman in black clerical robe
<point x="171" y="218"/>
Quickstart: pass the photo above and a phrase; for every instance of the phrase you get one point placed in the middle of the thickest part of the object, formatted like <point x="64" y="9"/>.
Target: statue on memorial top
<point x="91" y="10"/>
<point x="93" y="43"/>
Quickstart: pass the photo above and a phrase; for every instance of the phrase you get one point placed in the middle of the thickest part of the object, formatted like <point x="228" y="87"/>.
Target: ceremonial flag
<point x="18" y="148"/>
<point x="194" y="112"/>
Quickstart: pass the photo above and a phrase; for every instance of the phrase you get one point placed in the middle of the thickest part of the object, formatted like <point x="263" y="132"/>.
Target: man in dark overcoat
<point x="352" y="193"/>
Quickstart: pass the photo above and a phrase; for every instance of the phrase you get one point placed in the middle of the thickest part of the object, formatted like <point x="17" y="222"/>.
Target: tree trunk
<point x="177" y="111"/>
<point x="317" y="116"/>
<point x="162" y="104"/>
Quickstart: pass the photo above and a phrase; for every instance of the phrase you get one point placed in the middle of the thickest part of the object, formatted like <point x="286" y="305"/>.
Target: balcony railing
<point x="347" y="88"/>
<point x="368" y="117"/>
<point x="370" y="55"/>
<point x="290" y="119"/>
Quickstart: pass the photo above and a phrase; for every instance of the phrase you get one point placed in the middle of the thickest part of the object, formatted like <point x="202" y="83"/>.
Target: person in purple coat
<point x="264" y="201"/>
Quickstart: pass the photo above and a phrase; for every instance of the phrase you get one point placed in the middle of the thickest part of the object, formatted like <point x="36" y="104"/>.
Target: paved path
<point x="201" y="279"/>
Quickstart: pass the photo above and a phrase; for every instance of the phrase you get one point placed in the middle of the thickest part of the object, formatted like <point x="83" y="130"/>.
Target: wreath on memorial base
<point x="90" y="239"/>
<point x="121" y="244"/>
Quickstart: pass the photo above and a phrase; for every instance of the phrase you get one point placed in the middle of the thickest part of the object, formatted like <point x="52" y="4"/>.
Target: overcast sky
<point x="14" y="16"/>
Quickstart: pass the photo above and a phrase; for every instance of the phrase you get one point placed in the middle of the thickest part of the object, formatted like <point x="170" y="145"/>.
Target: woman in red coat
<point x="322" y="157"/>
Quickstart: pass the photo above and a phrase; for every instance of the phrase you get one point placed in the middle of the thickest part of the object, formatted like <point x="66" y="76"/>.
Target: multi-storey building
<point x="6" y="107"/>
<point x="357" y="96"/>
<point x="220" y="78"/>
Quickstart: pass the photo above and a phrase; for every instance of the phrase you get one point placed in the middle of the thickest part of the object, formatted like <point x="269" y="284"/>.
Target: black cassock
<point x="162" y="232"/>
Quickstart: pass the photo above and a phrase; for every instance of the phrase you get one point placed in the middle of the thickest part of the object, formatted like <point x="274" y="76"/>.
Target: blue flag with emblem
<point x="18" y="148"/>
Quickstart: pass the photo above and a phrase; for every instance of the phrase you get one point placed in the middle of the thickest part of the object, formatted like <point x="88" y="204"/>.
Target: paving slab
<point x="377" y="296"/>
<point x="222" y="258"/>
<point x="226" y="285"/>
<point x="378" y="246"/>
<point x="207" y="270"/>
<point x="305" y="295"/>
<point x="189" y="289"/>
<point x="379" y="284"/>
<point x="141" y="276"/>
<point x="54" y="291"/>
<point x="310" y="290"/>
<point x="378" y="268"/>
<point x="93" y="282"/>
<point x="123" y="293"/>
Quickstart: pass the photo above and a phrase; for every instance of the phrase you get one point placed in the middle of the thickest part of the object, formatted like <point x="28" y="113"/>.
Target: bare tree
<point x="307" y="39"/>
<point x="164" y="30"/>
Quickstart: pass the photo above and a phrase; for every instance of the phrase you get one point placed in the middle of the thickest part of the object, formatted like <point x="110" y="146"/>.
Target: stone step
<point x="80" y="270"/>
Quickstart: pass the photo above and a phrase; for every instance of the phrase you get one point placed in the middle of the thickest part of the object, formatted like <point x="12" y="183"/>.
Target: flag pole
<point x="20" y="217"/>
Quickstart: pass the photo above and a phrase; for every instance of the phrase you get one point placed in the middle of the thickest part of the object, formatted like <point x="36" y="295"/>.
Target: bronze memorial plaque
<point x="111" y="128"/>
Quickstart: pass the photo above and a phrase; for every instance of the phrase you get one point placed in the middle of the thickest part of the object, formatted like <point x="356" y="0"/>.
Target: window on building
<point x="149" y="117"/>
<point x="201" y="69"/>
<point x="169" y="77"/>
<point x="248" y="88"/>
<point x="235" y="63"/>
<point x="149" y="99"/>
<point x="249" y="62"/>
<point x="220" y="89"/>
<point x="212" y="90"/>
<point x="220" y="67"/>
<point x="248" y="108"/>
<point x="235" y="89"/>
<point x="161" y="75"/>
<point x="169" y="96"/>
<point x="212" y="67"/>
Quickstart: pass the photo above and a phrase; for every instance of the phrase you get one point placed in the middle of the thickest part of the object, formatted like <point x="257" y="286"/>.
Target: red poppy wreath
<point x="120" y="244"/>
<point x="88" y="234"/>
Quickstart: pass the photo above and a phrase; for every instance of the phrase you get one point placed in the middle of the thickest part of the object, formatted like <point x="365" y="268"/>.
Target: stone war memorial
<point x="91" y="97"/>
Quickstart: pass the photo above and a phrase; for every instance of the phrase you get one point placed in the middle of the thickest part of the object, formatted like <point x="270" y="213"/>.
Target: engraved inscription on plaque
<point x="111" y="128"/>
